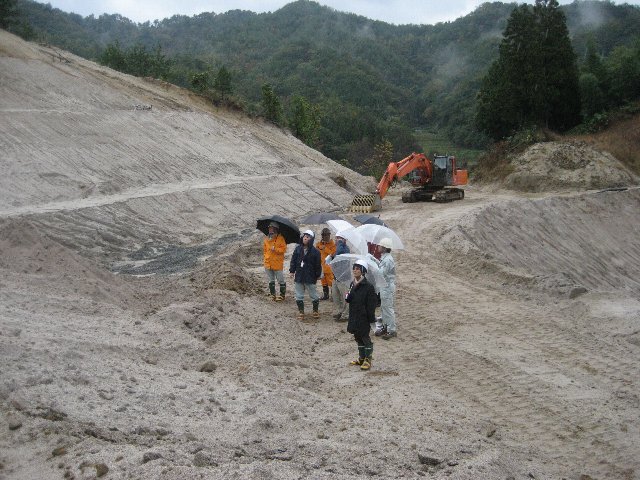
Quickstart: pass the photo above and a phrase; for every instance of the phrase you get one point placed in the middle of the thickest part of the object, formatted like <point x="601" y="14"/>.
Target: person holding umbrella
<point x="274" y="248"/>
<point x="305" y="268"/>
<point x="388" y="328"/>
<point x="362" y="302"/>
<point x="339" y="289"/>
<point x="327" y="247"/>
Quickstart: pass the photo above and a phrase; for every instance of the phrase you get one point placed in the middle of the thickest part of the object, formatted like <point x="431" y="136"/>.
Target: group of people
<point x="310" y="263"/>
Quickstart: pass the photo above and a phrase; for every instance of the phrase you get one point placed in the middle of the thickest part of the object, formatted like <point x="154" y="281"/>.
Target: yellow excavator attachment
<point x="366" y="203"/>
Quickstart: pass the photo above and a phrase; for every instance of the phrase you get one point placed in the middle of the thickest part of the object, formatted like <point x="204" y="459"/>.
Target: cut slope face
<point x="553" y="166"/>
<point x="559" y="243"/>
<point x="76" y="143"/>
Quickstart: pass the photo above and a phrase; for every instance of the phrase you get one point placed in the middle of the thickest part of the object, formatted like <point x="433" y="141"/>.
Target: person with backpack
<point x="362" y="302"/>
<point x="305" y="268"/>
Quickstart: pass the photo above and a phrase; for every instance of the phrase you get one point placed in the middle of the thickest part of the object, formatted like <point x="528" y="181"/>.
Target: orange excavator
<point x="434" y="179"/>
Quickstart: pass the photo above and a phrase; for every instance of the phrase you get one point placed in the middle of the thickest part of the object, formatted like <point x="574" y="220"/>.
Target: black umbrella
<point x="366" y="218"/>
<point x="318" y="218"/>
<point x="288" y="229"/>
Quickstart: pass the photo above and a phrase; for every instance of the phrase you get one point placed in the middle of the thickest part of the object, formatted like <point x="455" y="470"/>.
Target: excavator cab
<point x="442" y="171"/>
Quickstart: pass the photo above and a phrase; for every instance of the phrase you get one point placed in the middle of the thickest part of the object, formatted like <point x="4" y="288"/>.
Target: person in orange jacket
<point x="274" y="248"/>
<point x="327" y="247"/>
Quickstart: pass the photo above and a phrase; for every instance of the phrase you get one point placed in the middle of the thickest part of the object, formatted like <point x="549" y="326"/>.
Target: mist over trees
<point x="346" y="84"/>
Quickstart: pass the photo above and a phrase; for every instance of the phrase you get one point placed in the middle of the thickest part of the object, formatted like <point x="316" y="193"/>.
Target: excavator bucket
<point x="366" y="203"/>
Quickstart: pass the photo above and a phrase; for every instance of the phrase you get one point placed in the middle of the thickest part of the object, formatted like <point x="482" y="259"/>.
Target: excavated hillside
<point x="518" y="344"/>
<point x="113" y="162"/>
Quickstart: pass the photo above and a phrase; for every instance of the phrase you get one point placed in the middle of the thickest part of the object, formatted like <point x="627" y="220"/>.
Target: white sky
<point x="390" y="11"/>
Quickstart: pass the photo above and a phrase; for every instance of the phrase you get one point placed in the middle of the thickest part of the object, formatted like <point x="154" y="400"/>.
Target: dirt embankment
<point x="567" y="166"/>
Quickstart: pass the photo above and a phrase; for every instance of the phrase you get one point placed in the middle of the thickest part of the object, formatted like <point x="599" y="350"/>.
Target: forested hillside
<point x="364" y="82"/>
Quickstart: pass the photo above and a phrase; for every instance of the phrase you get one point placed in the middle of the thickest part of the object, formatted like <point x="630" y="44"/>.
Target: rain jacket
<point x="307" y="268"/>
<point x="325" y="249"/>
<point x="341" y="248"/>
<point x="362" y="300"/>
<point x="274" y="249"/>
<point x="388" y="270"/>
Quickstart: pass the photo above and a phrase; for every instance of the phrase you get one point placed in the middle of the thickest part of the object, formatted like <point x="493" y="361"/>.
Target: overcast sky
<point x="391" y="11"/>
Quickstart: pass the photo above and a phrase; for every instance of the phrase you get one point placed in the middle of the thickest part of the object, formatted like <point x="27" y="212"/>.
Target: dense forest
<point x="348" y="85"/>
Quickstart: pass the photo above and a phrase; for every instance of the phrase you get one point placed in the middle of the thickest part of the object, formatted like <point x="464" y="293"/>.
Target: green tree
<point x="593" y="99"/>
<point x="136" y="60"/>
<point x="199" y="81"/>
<point x="559" y="80"/>
<point x="623" y="66"/>
<point x="377" y="164"/>
<point x="271" y="106"/>
<point x="222" y="82"/>
<point x="8" y="12"/>
<point x="113" y="57"/>
<point x="304" y="120"/>
<point x="534" y="81"/>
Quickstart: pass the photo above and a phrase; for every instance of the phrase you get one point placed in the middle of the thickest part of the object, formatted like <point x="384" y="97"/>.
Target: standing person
<point x="387" y="265"/>
<point x="305" y="269"/>
<point x="327" y="247"/>
<point x="339" y="289"/>
<point x="362" y="313"/>
<point x="274" y="247"/>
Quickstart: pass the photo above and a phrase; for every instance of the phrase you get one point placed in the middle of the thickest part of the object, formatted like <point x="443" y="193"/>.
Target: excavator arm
<point x="416" y="162"/>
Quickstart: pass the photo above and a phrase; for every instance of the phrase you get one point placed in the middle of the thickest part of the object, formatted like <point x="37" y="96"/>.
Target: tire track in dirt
<point x="516" y="362"/>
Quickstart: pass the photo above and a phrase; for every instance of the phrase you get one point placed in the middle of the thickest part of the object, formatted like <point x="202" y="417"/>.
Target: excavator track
<point x="366" y="203"/>
<point x="442" y="195"/>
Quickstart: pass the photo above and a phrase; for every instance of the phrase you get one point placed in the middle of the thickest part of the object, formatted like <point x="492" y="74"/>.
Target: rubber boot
<point x="366" y="364"/>
<point x="272" y="290"/>
<point x="316" y="313"/>
<point x="325" y="291"/>
<point x="283" y="290"/>
<point x="300" y="305"/>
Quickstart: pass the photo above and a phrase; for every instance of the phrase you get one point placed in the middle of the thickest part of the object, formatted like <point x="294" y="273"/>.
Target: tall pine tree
<point x="560" y="82"/>
<point x="534" y="82"/>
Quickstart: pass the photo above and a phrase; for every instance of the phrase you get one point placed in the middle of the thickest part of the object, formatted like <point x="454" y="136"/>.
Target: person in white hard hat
<point x="305" y="268"/>
<point x="387" y="266"/>
<point x="362" y="302"/>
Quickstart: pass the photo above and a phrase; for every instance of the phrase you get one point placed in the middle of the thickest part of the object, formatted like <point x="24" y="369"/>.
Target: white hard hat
<point x="362" y="264"/>
<point x="340" y="234"/>
<point x="386" y="243"/>
<point x="309" y="232"/>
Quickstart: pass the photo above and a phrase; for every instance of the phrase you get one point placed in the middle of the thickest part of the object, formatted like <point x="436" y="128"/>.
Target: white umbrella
<point x="356" y="243"/>
<point x="374" y="233"/>
<point x="336" y="225"/>
<point x="342" y="265"/>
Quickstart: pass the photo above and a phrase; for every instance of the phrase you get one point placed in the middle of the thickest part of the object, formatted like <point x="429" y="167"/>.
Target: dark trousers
<point x="365" y="345"/>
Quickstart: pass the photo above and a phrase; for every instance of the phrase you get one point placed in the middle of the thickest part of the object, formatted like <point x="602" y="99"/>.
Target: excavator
<point x="432" y="177"/>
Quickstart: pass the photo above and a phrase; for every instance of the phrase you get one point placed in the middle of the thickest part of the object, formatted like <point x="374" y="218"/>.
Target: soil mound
<point x="563" y="245"/>
<point x="29" y="256"/>
<point x="555" y="166"/>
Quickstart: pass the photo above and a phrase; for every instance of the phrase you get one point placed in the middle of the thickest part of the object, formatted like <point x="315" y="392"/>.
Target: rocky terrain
<point x="136" y="340"/>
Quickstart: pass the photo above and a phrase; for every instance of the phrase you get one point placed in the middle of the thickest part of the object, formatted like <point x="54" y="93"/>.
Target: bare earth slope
<point x="74" y="146"/>
<point x="519" y="319"/>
